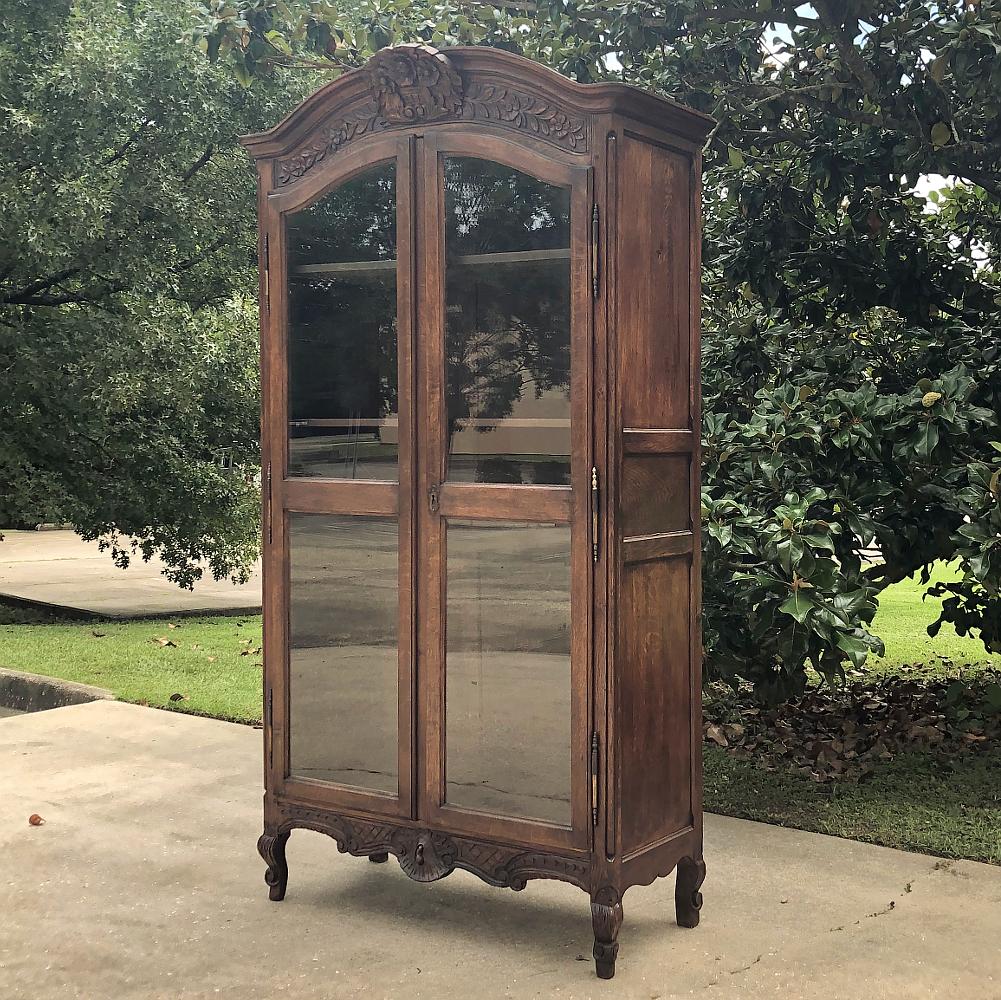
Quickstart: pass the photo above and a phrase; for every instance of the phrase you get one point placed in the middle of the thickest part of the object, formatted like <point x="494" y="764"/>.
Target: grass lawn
<point x="902" y="623"/>
<point x="921" y="801"/>
<point x="213" y="663"/>
<point x="917" y="802"/>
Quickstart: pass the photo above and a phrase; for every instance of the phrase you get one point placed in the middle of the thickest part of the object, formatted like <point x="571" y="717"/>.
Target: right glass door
<point x="506" y="478"/>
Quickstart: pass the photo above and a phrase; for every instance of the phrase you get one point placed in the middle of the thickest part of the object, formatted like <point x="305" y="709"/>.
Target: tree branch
<point x="846" y="46"/>
<point x="198" y="164"/>
<point x="40" y="285"/>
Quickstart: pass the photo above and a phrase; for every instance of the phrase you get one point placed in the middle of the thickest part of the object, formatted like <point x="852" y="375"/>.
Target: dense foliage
<point x="127" y="278"/>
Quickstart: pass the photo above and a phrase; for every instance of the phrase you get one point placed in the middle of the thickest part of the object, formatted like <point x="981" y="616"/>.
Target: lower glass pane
<point x="508" y="695"/>
<point x="344" y="600"/>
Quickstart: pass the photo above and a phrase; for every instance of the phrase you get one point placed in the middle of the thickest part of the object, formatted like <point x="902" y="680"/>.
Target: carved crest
<point x="414" y="83"/>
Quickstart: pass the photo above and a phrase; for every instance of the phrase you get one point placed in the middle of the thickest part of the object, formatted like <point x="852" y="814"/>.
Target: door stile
<point x="407" y="452"/>
<point x="582" y="461"/>
<point x="275" y="394"/>
<point x="430" y="474"/>
<point x="272" y="463"/>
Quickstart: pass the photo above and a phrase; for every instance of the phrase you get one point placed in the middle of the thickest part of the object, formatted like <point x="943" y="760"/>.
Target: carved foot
<point x="379" y="858"/>
<point x="687" y="898"/>
<point x="272" y="849"/>
<point x="606" y="918"/>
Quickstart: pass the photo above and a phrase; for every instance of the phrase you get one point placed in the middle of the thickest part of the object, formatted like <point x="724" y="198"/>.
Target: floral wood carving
<point x="541" y="117"/>
<point x="327" y="141"/>
<point x="426" y="856"/>
<point x="413" y="83"/>
<point x="409" y="84"/>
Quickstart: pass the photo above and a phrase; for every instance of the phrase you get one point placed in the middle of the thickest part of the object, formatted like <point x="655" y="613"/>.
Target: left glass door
<point x="346" y="445"/>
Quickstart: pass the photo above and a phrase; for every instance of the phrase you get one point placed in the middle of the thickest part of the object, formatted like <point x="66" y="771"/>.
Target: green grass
<point x="902" y="623"/>
<point x="915" y="802"/>
<point x="921" y="802"/>
<point x="205" y="666"/>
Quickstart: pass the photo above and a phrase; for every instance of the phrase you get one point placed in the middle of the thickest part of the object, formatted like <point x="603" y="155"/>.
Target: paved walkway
<point x="59" y="568"/>
<point x="144" y="883"/>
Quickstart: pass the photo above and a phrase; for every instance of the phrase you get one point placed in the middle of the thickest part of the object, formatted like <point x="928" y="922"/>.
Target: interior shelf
<point x="363" y="266"/>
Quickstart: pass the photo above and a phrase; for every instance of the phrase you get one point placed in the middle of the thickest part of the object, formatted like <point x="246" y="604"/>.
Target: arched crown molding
<point x="412" y="85"/>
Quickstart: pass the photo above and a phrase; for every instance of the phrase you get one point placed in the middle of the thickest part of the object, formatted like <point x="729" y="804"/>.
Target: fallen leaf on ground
<point x="841" y="734"/>
<point x="162" y="640"/>
<point x="714" y="733"/>
<point x="97" y="635"/>
<point x="177" y="696"/>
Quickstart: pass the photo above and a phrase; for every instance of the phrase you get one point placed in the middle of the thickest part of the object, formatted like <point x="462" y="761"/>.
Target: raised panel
<point x="653" y="246"/>
<point x="656" y="494"/>
<point x="654" y="702"/>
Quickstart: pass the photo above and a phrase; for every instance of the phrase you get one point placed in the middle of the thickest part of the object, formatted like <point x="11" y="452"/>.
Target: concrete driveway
<point x="144" y="882"/>
<point x="61" y="569"/>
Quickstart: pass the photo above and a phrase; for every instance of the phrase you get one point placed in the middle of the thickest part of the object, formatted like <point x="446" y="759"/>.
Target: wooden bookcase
<point x="480" y="355"/>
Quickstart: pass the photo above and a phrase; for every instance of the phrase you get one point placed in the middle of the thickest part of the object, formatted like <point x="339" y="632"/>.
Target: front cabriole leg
<point x="687" y="898"/>
<point x="272" y="849"/>
<point x="606" y="918"/>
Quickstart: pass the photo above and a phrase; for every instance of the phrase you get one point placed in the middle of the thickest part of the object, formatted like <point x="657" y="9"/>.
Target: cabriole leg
<point x="606" y="917"/>
<point x="687" y="898"/>
<point x="379" y="858"/>
<point x="272" y="849"/>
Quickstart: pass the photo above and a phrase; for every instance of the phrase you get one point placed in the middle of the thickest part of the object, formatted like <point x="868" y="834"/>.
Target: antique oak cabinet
<point x="479" y="316"/>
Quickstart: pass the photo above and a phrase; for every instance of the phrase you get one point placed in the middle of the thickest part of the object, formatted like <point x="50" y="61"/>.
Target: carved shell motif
<point x="414" y="83"/>
<point x="410" y="84"/>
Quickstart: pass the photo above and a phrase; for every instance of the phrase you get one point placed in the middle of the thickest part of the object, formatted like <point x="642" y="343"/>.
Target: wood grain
<point x="655" y="494"/>
<point x="653" y="245"/>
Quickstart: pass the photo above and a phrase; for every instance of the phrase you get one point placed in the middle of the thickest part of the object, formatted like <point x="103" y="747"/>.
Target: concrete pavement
<point x="144" y="883"/>
<point x="59" y="568"/>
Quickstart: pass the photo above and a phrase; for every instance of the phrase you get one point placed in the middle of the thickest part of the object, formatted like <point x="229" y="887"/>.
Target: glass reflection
<point x="507" y="289"/>
<point x="343" y="649"/>
<point x="507" y="726"/>
<point x="342" y="341"/>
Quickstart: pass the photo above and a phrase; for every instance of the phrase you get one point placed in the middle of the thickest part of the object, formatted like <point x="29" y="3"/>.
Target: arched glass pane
<point x="507" y="336"/>
<point x="342" y="341"/>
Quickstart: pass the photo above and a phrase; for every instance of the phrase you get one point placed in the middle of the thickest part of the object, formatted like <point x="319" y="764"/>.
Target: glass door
<point x="343" y="501"/>
<point x="504" y="490"/>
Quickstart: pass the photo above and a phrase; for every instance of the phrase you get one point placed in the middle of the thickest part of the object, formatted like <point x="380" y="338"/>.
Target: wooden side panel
<point x="656" y="514"/>
<point x="655" y="494"/>
<point x="653" y="257"/>
<point x="655" y="703"/>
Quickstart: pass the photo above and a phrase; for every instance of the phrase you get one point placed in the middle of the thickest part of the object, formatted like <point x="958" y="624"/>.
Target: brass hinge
<point x="594" y="778"/>
<point x="270" y="501"/>
<point x="270" y="727"/>
<point x="267" y="272"/>
<point x="594" y="250"/>
<point x="594" y="513"/>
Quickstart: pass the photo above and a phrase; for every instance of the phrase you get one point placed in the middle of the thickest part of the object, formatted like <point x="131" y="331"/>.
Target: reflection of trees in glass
<point x="355" y="221"/>
<point x="342" y="325"/>
<point x="342" y="348"/>
<point x="508" y="324"/>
